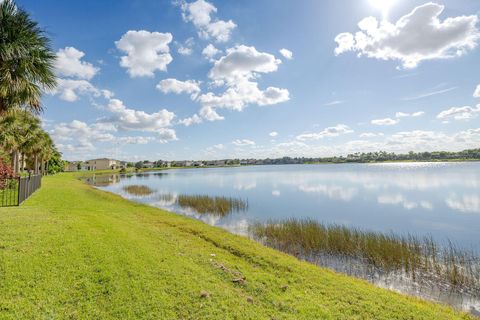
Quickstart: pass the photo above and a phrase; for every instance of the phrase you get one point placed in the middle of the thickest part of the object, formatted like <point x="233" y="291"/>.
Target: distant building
<point x="74" y="166"/>
<point x="183" y="163"/>
<point x="102" y="164"/>
<point x="148" y="164"/>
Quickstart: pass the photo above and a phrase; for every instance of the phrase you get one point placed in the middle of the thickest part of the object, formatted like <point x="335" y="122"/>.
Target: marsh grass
<point x="138" y="190"/>
<point x="202" y="204"/>
<point x="167" y="197"/>
<point x="420" y="259"/>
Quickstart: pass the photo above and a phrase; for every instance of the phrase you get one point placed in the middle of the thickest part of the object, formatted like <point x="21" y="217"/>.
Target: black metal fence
<point x="14" y="191"/>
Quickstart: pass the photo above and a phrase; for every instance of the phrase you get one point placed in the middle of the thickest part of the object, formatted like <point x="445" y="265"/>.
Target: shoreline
<point x="285" y="164"/>
<point x="122" y="251"/>
<point x="402" y="286"/>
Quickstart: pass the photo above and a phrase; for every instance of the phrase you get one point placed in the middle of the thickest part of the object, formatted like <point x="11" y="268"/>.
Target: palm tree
<point x="33" y="140"/>
<point x="26" y="60"/>
<point x="46" y="152"/>
<point x="22" y="135"/>
<point x="12" y="135"/>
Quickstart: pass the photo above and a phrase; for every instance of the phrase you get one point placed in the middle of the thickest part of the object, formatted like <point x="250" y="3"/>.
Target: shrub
<point x="5" y="169"/>
<point x="5" y="172"/>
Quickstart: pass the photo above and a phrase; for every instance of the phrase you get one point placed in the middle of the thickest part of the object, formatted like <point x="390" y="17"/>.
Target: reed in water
<point x="138" y="190"/>
<point x="220" y="206"/>
<point x="418" y="258"/>
<point x="203" y="204"/>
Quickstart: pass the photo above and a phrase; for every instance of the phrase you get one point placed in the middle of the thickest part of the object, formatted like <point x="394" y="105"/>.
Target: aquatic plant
<point x="420" y="259"/>
<point x="138" y="190"/>
<point x="220" y="206"/>
<point x="167" y="197"/>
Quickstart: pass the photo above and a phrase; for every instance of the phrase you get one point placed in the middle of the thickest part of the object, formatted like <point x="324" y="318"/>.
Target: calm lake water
<point x="441" y="200"/>
<point x="437" y="199"/>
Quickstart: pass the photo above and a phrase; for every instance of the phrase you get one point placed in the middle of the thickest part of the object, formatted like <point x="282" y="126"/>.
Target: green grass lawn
<point x="74" y="252"/>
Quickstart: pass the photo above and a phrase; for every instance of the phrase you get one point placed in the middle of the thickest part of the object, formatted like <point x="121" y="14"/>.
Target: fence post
<point x="18" y="195"/>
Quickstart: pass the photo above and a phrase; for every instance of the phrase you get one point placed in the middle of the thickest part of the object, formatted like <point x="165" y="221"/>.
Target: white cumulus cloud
<point x="418" y="36"/>
<point x="406" y="115"/>
<point x="243" y="62"/>
<point x="195" y="119"/>
<point x="69" y="64"/>
<point x="273" y="134"/>
<point x="327" y="132"/>
<point x="210" y="51"/>
<point x="239" y="70"/>
<point x="476" y="94"/>
<point x="70" y="90"/>
<point x="460" y="113"/>
<point x="186" y="48"/>
<point x="77" y="136"/>
<point x="170" y="85"/>
<point x="371" y="135"/>
<point x="243" y="142"/>
<point x="384" y="122"/>
<point x="287" y="54"/>
<point x="208" y="113"/>
<point x="123" y="118"/>
<point x="146" y="52"/>
<point x="200" y="14"/>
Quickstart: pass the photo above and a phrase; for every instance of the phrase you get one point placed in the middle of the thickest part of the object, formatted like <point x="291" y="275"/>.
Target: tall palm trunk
<point x="12" y="155"/>
<point x="35" y="164"/>
<point x="15" y="162"/>
<point x="22" y="161"/>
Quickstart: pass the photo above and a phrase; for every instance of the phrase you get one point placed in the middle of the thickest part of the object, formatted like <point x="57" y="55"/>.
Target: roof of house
<point x="102" y="159"/>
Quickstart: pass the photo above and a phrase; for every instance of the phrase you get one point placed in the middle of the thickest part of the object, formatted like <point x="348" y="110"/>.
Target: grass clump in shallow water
<point x="417" y="258"/>
<point x="138" y="190"/>
<point x="220" y="206"/>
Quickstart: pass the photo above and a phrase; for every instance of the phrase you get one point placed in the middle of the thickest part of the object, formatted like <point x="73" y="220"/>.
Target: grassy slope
<point x="72" y="251"/>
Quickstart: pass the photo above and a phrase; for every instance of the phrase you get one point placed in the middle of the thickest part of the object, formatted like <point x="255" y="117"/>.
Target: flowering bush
<point x="5" y="172"/>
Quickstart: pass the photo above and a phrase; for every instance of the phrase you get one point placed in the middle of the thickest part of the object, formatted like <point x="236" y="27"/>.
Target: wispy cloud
<point x="334" y="103"/>
<point x="429" y="94"/>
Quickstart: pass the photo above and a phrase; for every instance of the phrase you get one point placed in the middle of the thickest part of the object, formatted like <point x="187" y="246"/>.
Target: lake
<point x="437" y="199"/>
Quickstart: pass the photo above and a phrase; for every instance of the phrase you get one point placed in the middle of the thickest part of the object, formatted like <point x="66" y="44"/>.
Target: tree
<point x="139" y="165"/>
<point x="32" y="138"/>
<point x="12" y="135"/>
<point x="26" y="60"/>
<point x="56" y="164"/>
<point x="22" y="136"/>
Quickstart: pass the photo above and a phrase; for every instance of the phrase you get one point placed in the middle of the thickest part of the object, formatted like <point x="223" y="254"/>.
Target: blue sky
<point x="209" y="79"/>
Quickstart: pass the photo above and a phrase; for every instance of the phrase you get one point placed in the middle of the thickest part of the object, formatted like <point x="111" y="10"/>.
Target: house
<point x="73" y="166"/>
<point x="220" y="163"/>
<point x="102" y="164"/>
<point x="148" y="164"/>
<point x="183" y="163"/>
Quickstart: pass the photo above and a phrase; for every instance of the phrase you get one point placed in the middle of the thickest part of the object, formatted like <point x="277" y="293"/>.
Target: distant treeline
<point x="471" y="154"/>
<point x="380" y="156"/>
